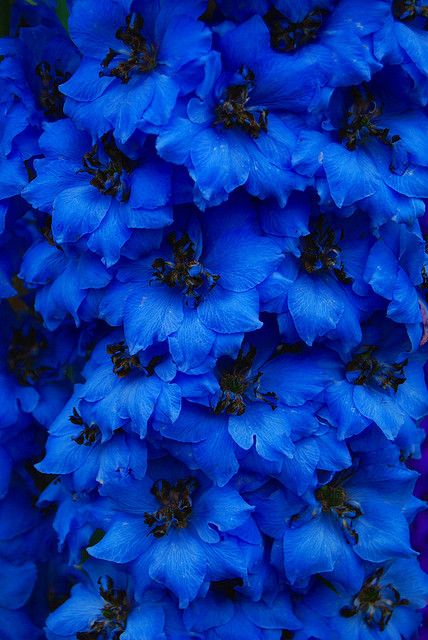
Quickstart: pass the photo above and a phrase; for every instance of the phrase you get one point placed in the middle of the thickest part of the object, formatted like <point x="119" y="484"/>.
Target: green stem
<point x="4" y="17"/>
<point x="62" y="12"/>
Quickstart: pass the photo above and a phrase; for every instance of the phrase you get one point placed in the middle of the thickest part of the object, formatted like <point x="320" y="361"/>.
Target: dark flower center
<point x="367" y="368"/>
<point x="184" y="270"/>
<point x="114" y="614"/>
<point x="123" y="362"/>
<point x="360" y="122"/>
<point x="139" y="56"/>
<point x="375" y="602"/>
<point x="320" y="251"/>
<point x="109" y="168"/>
<point x="45" y="228"/>
<point x="333" y="498"/>
<point x="176" y="506"/>
<point x="226" y="588"/>
<point x="237" y="382"/>
<point x="408" y="10"/>
<point x="234" y="110"/>
<point x="89" y="434"/>
<point x="424" y="284"/>
<point x="50" y="97"/>
<point x="22" y="355"/>
<point x="286" y="35"/>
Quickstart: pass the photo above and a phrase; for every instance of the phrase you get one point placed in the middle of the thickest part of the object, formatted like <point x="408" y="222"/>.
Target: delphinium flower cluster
<point x="214" y="318"/>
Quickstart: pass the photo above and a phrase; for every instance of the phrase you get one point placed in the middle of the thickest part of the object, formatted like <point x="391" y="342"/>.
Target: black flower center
<point x="89" y="434"/>
<point x="366" y="368"/>
<point x="22" y="355"/>
<point x="320" y="251"/>
<point x="227" y="588"/>
<point x="408" y="10"/>
<point x="139" y="55"/>
<point x="286" y="35"/>
<point x="114" y="614"/>
<point x="234" y="110"/>
<point x="50" y="97"/>
<point x="184" y="271"/>
<point x="424" y="284"/>
<point x="123" y="362"/>
<point x="333" y="498"/>
<point x="236" y="384"/>
<point x="109" y="168"/>
<point x="375" y="602"/>
<point x="360" y="122"/>
<point x="176" y="506"/>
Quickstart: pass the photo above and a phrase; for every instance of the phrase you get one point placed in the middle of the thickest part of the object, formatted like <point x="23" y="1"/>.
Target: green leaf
<point x="62" y="13"/>
<point x="4" y="17"/>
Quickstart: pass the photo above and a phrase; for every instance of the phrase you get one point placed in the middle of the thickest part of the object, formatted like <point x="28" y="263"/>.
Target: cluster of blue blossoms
<point x="214" y="319"/>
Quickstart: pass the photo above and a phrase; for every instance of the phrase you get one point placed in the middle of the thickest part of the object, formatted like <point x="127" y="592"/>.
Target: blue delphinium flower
<point x="379" y="381"/>
<point x="102" y="605"/>
<point x="335" y="34"/>
<point x="134" y="65"/>
<point x="199" y="283"/>
<point x="49" y="59"/>
<point x="178" y="530"/>
<point x="355" y="514"/>
<point x="393" y="270"/>
<point x="18" y="122"/>
<point x="319" y="284"/>
<point x="257" y="399"/>
<point x="231" y="609"/>
<point x="241" y="128"/>
<point x="98" y="191"/>
<point x="213" y="283"/>
<point x="401" y="41"/>
<point x="369" y="150"/>
<point x="383" y="605"/>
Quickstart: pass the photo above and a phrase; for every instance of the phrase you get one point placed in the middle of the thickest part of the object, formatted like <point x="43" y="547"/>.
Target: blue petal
<point x="340" y="400"/>
<point x="145" y="622"/>
<point x="16" y="583"/>
<point x="151" y="186"/>
<point x="351" y="175"/>
<point x="190" y="345"/>
<point x="153" y="314"/>
<point x="77" y="211"/>
<point x="383" y="532"/>
<point x="179" y="562"/>
<point x="229" y="312"/>
<point x="220" y="160"/>
<point x="77" y="613"/>
<point x="165" y="92"/>
<point x="316" y="547"/>
<point x="268" y="427"/>
<point x="94" y="31"/>
<point x="242" y="258"/>
<point x="124" y="541"/>
<point x="315" y="306"/>
<point x="222" y="507"/>
<point x="124" y="106"/>
<point x="381" y="408"/>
